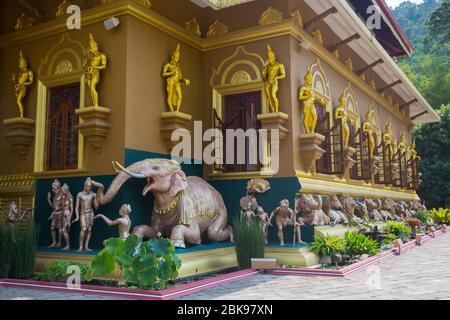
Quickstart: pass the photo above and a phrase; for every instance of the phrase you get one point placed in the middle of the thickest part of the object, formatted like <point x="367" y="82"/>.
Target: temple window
<point x="62" y="132"/>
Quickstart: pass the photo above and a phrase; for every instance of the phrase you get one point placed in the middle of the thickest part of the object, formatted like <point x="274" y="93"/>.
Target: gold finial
<point x="21" y="57"/>
<point x="92" y="40"/>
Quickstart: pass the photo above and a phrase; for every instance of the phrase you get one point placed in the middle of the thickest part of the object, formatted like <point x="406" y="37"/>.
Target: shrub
<point x="6" y="250"/>
<point x="440" y="216"/>
<point x="249" y="242"/>
<point x="326" y="245"/>
<point x="58" y="269"/>
<point x="399" y="229"/>
<point x="413" y="223"/>
<point x="143" y="264"/>
<point x="24" y="251"/>
<point x="423" y="216"/>
<point x="357" y="244"/>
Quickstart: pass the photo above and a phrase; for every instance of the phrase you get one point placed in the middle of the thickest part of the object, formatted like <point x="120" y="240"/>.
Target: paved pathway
<point x="422" y="273"/>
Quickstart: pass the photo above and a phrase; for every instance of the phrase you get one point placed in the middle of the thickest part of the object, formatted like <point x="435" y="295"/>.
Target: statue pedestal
<point x="274" y="121"/>
<point x="20" y="134"/>
<point x="349" y="162"/>
<point x="374" y="168"/>
<point x="95" y="125"/>
<point x="310" y="150"/>
<point x="171" y="121"/>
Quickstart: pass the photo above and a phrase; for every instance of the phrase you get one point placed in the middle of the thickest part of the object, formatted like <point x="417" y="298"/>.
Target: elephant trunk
<point x="118" y="182"/>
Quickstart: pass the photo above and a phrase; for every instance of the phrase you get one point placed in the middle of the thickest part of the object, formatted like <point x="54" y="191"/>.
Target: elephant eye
<point x="155" y="168"/>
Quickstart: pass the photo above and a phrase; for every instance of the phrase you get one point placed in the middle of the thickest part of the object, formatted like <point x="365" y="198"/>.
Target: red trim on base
<point x="354" y="268"/>
<point x="168" y="294"/>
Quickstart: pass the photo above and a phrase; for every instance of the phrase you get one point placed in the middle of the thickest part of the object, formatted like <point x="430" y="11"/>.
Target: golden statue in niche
<point x="21" y="81"/>
<point x="388" y="137"/>
<point x="92" y="67"/>
<point x="342" y="113"/>
<point x="413" y="151"/>
<point x="172" y="71"/>
<point x="368" y="129"/>
<point x="309" y="99"/>
<point x="272" y="72"/>
<point x="402" y="145"/>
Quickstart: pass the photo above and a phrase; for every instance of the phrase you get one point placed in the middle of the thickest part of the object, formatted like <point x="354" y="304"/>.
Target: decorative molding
<point x="222" y="4"/>
<point x="240" y="77"/>
<point x="62" y="8"/>
<point x="20" y="134"/>
<point x="193" y="27"/>
<point x="95" y="125"/>
<point x="270" y="16"/>
<point x="65" y="66"/>
<point x="15" y="181"/>
<point x="297" y="19"/>
<point x="217" y="29"/>
<point x="317" y="35"/>
<point x="23" y="22"/>
<point x="349" y="63"/>
<point x="145" y="3"/>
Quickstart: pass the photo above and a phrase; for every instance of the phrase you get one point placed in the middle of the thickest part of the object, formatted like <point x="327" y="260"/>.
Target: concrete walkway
<point x="422" y="273"/>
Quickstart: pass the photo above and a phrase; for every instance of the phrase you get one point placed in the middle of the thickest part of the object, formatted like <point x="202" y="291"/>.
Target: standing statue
<point x="285" y="216"/>
<point x="21" y="81"/>
<point x="264" y="222"/>
<point x="172" y="71"/>
<point x="249" y="206"/>
<point x="402" y="145"/>
<point x="342" y="113"/>
<point x="185" y="209"/>
<point x="124" y="221"/>
<point x="97" y="61"/>
<point x="57" y="216"/>
<point x="272" y="72"/>
<point x="368" y="129"/>
<point x="309" y="99"/>
<point x="84" y="209"/>
<point x="67" y="203"/>
<point x="388" y="138"/>
<point x="14" y="217"/>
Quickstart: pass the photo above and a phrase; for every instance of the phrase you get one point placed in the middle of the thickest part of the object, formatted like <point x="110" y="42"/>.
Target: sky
<point x="395" y="3"/>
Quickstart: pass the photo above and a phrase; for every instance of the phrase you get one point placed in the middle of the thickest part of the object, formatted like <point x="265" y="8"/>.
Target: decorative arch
<point x="67" y="55"/>
<point x="352" y="105"/>
<point x="241" y="65"/>
<point x="376" y="123"/>
<point x="320" y="85"/>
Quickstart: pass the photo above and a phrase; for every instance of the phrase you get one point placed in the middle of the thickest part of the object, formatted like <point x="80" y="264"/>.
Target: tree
<point x="439" y="23"/>
<point x="433" y="145"/>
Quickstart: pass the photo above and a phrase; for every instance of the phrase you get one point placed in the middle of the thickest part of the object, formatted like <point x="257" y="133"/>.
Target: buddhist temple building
<point x="344" y="111"/>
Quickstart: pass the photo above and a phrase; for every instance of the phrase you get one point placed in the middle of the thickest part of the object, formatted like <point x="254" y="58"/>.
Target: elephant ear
<point x="179" y="183"/>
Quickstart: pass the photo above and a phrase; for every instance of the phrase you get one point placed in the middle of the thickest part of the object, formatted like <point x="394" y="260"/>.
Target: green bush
<point x="357" y="244"/>
<point x="423" y="216"/>
<point x="24" y="246"/>
<point x="440" y="216"/>
<point x="249" y="242"/>
<point x="326" y="245"/>
<point x="6" y="251"/>
<point x="399" y="229"/>
<point x="143" y="264"/>
<point x="58" y="269"/>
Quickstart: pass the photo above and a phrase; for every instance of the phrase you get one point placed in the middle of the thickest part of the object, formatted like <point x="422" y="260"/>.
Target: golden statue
<point x="367" y="128"/>
<point x="21" y="81"/>
<point x="92" y="67"/>
<point x="272" y="72"/>
<point x="388" y="137"/>
<point x="172" y="71"/>
<point x="402" y="145"/>
<point x="413" y="151"/>
<point x="342" y="113"/>
<point x="309" y="100"/>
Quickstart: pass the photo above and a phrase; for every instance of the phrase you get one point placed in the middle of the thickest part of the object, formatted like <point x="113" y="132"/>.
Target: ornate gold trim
<point x="270" y="16"/>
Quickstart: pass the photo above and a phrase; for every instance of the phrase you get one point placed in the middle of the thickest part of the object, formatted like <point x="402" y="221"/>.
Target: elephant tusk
<point x="132" y="174"/>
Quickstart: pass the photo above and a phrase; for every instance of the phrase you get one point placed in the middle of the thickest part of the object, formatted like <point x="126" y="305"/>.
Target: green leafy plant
<point x="325" y="245"/>
<point x="6" y="251"/>
<point x="142" y="264"/>
<point x="440" y="216"/>
<point x="24" y="246"/>
<point x="57" y="270"/>
<point x="249" y="242"/>
<point x="364" y="224"/>
<point x="357" y="244"/>
<point x="423" y="216"/>
<point x="399" y="229"/>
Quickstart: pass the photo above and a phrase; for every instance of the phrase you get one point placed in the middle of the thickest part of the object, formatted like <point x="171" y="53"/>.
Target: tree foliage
<point x="428" y="27"/>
